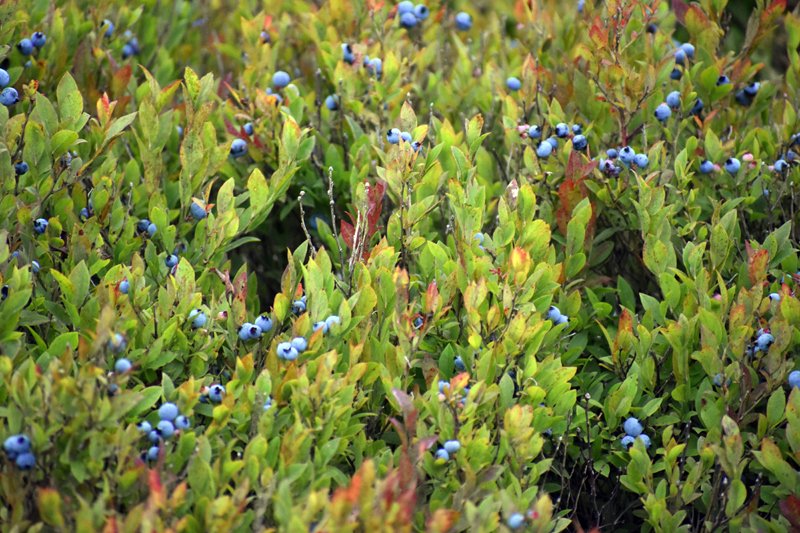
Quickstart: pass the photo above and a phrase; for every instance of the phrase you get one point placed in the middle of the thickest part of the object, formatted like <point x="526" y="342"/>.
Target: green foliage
<point x="666" y="275"/>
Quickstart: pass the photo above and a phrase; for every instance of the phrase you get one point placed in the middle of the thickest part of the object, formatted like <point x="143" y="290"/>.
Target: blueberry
<point x="332" y="102"/>
<point x="641" y="160"/>
<point x="479" y="237"/>
<point x="38" y="39"/>
<point x="563" y="319"/>
<point x="718" y="380"/>
<point x="674" y="99"/>
<point x="612" y="153"/>
<point x="752" y="89"/>
<point x="248" y="128"/>
<point x="154" y="436"/>
<point x="442" y="454"/>
<point x="680" y="56"/>
<point x="794" y="378"/>
<point x="181" y="422"/>
<point x="627" y="440"/>
<point x="117" y="343"/>
<point x="706" y="166"/>
<point x="408" y="20"/>
<point x="348" y="53"/>
<point x="732" y="165"/>
<point x="280" y="79"/>
<point x="581" y="5"/>
<point x="645" y="439"/>
<point x="298" y="307"/>
<point x="663" y="112"/>
<point x="21" y="168"/>
<point x="238" y="147"/>
<point x="452" y="446"/>
<point x="723" y="80"/>
<point x="553" y="142"/>
<point x="26" y="461"/>
<point x="780" y="165"/>
<point x="110" y="28"/>
<point x="165" y="428"/>
<point x="418" y="322"/>
<point x="633" y="427"/>
<point x="143" y="225"/>
<point x="405" y="136"/>
<point x="331" y="320"/>
<point x="627" y="155"/>
<point x="144" y="426"/>
<point x="697" y="107"/>
<point x="40" y="225"/>
<point x="742" y="99"/>
<point x="300" y="344"/>
<point x="35" y="267"/>
<point x="17" y="443"/>
<point x="321" y="325"/>
<point x="244" y="331"/>
<point x="579" y="142"/>
<point x="393" y="136"/>
<point x="198" y="211"/>
<point x="375" y="65"/>
<point x="764" y="341"/>
<point x="152" y="229"/>
<point x="198" y="318"/>
<point x="9" y="96"/>
<point x="4" y="292"/>
<point x="5" y="78"/>
<point x="515" y="521"/>
<point x="577" y="129"/>
<point x="544" y="149"/>
<point x="406" y="6"/>
<point x="265" y="38"/>
<point x="514" y="84"/>
<point x="675" y="74"/>
<point x="463" y="21"/>
<point x="443" y="384"/>
<point x="421" y="12"/>
<point x="775" y="297"/>
<point x="171" y="260"/>
<point x="215" y="392"/>
<point x="416" y="146"/>
<point x="25" y="47"/>
<point x="287" y="351"/>
<point x="152" y="453"/>
<point x="534" y="132"/>
<point x="562" y="130"/>
<point x="168" y="411"/>
<point x="133" y="43"/>
<point x="127" y="51"/>
<point x="122" y="365"/>
<point x="688" y="49"/>
<point x="459" y="364"/>
<point x="264" y="322"/>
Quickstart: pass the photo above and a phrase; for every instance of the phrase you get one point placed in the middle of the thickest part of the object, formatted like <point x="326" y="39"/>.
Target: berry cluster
<point x="18" y="449"/>
<point x="633" y="430"/>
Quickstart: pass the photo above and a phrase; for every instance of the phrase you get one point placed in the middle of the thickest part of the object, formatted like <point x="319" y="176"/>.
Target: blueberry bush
<point x="364" y="266"/>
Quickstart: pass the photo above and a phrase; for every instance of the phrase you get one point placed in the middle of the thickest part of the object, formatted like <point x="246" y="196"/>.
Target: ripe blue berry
<point x="732" y="165"/>
<point x="742" y="99"/>
<point x="688" y="49"/>
<point x="152" y="453"/>
<point x="535" y="132"/>
<point x="127" y="51"/>
<point x="152" y="229"/>
<point x="663" y="112"/>
<point x="298" y="307"/>
<point x="459" y="364"/>
<point x="332" y="102"/>
<point x="752" y="89"/>
<point x="393" y="136"/>
<point x="21" y="168"/>
<point x="300" y="344"/>
<point x="265" y="37"/>
<point x="706" y="166"/>
<point x="348" y="53"/>
<point x="718" y="380"/>
<point x="514" y="84"/>
<point x="143" y="225"/>
<point x="117" y="343"/>
<point x="375" y="65"/>
<point x="441" y="454"/>
<point x="280" y="79"/>
<point x="110" y="28"/>
<point x="421" y="12"/>
<point x="645" y="439"/>
<point x="405" y="136"/>
<point x="775" y="297"/>
<point x="171" y="260"/>
<point x="764" y="341"/>
<point x="264" y="322"/>
<point x="452" y="446"/>
<point x="198" y="318"/>
<point x="463" y="21"/>
<point x="633" y="427"/>
<point x="641" y="160"/>
<point x="321" y="325"/>
<point x="780" y="165"/>
<point x="627" y="155"/>
<point x="35" y="266"/>
<point x="544" y="149"/>
<point x="675" y="74"/>
<point x="9" y="96"/>
<point x="5" y="78"/>
<point x="577" y="129"/>
<point x="165" y="428"/>
<point x="331" y="320"/>
<point x="168" y="411"/>
<point x="268" y="403"/>
<point x="154" y="436"/>
<point x="198" y="211"/>
<point x="627" y="440"/>
<point x="244" y="331"/>
<point x="84" y="214"/>
<point x="553" y="313"/>
<point x="287" y="351"/>
<point x="418" y="322"/>
<point x="238" y="147"/>
<point x="408" y="20"/>
<point x="697" y="107"/>
<point x="562" y="130"/>
<point x="479" y="237"/>
<point x="406" y="6"/>
<point x="515" y="521"/>
<point x="40" y="225"/>
<point x="38" y="39"/>
<point x="579" y="142"/>
<point x="722" y="80"/>
<point x="122" y="365"/>
<point x="26" y="461"/>
<point x="612" y="153"/>
<point x="144" y="426"/>
<point x="17" y="443"/>
<point x="553" y="142"/>
<point x="181" y="422"/>
<point x="794" y="378"/>
<point x="215" y="393"/>
<point x="680" y="56"/>
<point x="674" y="99"/>
<point x="25" y="47"/>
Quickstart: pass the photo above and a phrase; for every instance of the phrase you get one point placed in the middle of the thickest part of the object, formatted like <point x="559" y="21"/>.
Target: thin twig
<point x="303" y="223"/>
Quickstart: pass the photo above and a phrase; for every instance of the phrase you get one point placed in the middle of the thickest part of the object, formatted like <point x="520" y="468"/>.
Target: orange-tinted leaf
<point x="758" y="266"/>
<point x="680" y="8"/>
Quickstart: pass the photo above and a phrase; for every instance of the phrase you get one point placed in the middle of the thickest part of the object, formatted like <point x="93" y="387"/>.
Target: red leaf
<point x="680" y="8"/>
<point x="224" y="88"/>
<point x="232" y="129"/>
<point x="573" y="167"/>
<point x="790" y="507"/>
<point x="348" y="232"/>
